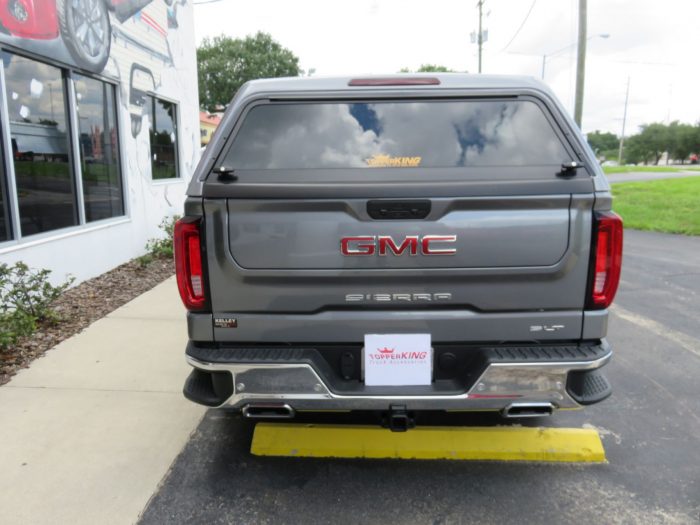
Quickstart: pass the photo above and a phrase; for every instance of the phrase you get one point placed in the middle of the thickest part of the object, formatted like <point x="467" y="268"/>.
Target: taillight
<point x="607" y="260"/>
<point x="188" y="263"/>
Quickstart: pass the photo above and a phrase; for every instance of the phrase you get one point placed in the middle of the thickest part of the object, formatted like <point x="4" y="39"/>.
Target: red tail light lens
<point x="188" y="263"/>
<point x="607" y="246"/>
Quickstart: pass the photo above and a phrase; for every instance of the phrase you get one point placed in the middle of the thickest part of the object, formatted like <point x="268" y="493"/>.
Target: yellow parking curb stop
<point x="465" y="443"/>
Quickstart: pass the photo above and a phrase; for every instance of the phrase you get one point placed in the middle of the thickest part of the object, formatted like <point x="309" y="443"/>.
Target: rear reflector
<point x="607" y="246"/>
<point x="395" y="81"/>
<point x="188" y="263"/>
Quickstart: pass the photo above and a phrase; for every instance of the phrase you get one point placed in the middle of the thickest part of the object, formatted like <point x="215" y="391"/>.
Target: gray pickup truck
<point x="396" y="245"/>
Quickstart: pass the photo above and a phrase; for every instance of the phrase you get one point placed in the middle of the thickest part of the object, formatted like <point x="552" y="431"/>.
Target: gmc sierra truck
<point x="396" y="245"/>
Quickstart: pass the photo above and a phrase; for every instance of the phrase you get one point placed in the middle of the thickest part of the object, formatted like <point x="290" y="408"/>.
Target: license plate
<point x="397" y="359"/>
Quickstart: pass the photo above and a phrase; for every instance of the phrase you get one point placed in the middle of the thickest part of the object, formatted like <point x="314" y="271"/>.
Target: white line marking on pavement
<point x="604" y="432"/>
<point x="686" y="342"/>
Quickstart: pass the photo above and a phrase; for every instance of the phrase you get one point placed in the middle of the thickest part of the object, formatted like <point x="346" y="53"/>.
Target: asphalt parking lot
<point x="641" y="176"/>
<point x="650" y="428"/>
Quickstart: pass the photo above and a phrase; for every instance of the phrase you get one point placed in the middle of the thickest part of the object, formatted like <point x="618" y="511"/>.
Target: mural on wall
<point x="124" y="39"/>
<point x="90" y="150"/>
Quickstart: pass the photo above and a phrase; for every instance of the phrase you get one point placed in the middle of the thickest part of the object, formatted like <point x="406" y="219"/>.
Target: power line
<point x="643" y="63"/>
<point x="206" y="2"/>
<point x="521" y="25"/>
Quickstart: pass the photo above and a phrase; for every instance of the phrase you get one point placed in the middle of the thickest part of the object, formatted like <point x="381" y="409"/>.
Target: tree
<point x="648" y="145"/>
<point x="603" y="143"/>
<point x="683" y="140"/>
<point x="678" y="140"/>
<point x="635" y="151"/>
<point x="224" y="64"/>
<point x="654" y="140"/>
<point x="428" y="68"/>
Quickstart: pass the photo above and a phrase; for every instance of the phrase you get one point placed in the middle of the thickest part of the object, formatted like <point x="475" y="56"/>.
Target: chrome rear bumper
<point x="300" y="387"/>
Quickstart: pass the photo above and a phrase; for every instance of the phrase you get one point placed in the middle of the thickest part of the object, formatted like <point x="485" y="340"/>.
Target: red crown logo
<point x="385" y="350"/>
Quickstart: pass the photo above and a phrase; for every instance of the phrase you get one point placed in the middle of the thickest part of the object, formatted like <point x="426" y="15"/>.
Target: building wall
<point x="152" y="53"/>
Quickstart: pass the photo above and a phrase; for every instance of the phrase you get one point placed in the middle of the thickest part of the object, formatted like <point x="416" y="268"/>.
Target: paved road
<point x="650" y="428"/>
<point x="641" y="176"/>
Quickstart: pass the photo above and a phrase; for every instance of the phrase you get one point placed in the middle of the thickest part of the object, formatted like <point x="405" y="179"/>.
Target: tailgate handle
<point x="393" y="209"/>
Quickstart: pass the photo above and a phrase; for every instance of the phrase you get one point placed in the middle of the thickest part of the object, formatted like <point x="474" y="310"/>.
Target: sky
<point x="656" y="45"/>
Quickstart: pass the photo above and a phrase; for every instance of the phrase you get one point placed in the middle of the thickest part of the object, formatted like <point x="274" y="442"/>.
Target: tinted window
<point x="163" y="132"/>
<point x="395" y="134"/>
<point x="40" y="145"/>
<point x="99" y="149"/>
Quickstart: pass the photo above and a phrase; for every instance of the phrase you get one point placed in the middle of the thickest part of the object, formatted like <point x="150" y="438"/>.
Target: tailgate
<point x="456" y="233"/>
<point x="510" y="254"/>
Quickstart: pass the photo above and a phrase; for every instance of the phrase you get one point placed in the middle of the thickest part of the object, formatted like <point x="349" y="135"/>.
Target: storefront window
<point x="163" y="133"/>
<point x="99" y="149"/>
<point x="39" y="133"/>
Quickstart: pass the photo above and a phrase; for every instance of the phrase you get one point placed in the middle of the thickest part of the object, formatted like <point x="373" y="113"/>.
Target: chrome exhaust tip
<point x="528" y="410"/>
<point x="268" y="411"/>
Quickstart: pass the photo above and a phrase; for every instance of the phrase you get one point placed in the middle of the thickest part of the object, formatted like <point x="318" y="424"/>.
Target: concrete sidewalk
<point x="90" y="429"/>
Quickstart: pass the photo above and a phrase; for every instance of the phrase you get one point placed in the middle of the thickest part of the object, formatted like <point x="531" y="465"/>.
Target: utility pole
<point x="624" y="121"/>
<point x="480" y="36"/>
<point x="581" y="61"/>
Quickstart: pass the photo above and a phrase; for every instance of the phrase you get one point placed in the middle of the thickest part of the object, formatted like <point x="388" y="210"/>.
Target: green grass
<point x="163" y="172"/>
<point x="94" y="172"/>
<point x="653" y="169"/>
<point x="42" y="169"/>
<point x="668" y="205"/>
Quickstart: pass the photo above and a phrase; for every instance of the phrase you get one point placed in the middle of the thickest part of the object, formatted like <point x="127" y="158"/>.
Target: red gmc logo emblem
<point x="384" y="245"/>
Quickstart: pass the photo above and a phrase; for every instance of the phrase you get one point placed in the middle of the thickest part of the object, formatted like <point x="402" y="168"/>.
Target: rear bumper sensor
<point x="520" y="381"/>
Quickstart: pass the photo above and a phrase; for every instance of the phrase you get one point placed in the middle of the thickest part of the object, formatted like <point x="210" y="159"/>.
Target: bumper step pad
<point x="588" y="386"/>
<point x="208" y="388"/>
<point x="500" y="354"/>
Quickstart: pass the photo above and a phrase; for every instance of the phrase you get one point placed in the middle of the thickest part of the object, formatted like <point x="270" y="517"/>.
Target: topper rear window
<point x="408" y="134"/>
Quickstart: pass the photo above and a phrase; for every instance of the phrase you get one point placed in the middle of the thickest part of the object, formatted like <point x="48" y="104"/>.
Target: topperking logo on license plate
<point x="397" y="359"/>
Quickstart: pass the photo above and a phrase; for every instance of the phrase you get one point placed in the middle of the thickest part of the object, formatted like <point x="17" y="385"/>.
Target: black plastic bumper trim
<point x="587" y="387"/>
<point x="208" y="388"/>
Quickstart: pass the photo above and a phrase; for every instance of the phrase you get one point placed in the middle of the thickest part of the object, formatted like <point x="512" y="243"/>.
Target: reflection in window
<point x="5" y="233"/>
<point x="163" y="133"/>
<point x="432" y="134"/>
<point x="99" y="149"/>
<point x="40" y="146"/>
